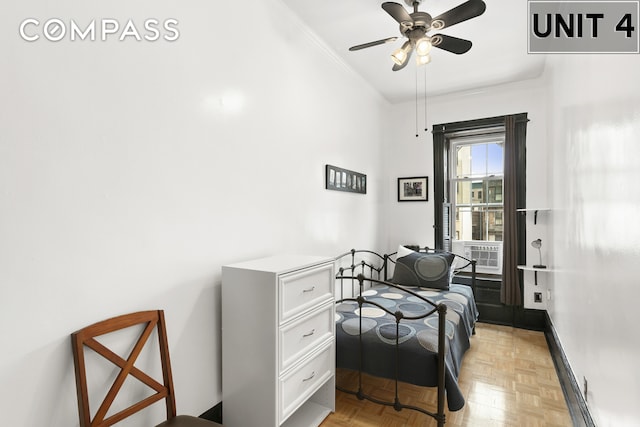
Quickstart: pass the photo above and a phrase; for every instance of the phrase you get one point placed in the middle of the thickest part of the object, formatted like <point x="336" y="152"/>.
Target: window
<point x="476" y="179"/>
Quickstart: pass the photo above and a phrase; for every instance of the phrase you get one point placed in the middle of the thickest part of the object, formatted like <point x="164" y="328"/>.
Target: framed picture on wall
<point x="340" y="179"/>
<point x="413" y="189"/>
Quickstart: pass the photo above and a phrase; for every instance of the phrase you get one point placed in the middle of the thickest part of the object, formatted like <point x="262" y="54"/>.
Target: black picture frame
<point x="413" y="189"/>
<point x="341" y="179"/>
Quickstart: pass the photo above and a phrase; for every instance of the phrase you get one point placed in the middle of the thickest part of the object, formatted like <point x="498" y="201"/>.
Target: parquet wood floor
<point x="507" y="378"/>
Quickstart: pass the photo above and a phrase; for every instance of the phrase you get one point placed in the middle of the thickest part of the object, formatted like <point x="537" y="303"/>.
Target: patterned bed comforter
<point x="418" y="338"/>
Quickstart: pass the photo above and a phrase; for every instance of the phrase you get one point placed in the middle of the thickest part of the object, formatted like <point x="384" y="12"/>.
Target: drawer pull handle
<point x="308" y="334"/>
<point x="313" y="374"/>
<point x="311" y="289"/>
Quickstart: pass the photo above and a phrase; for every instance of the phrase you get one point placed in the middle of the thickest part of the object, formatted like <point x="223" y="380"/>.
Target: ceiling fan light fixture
<point x="401" y="55"/>
<point x="423" y="59"/>
<point x="423" y="46"/>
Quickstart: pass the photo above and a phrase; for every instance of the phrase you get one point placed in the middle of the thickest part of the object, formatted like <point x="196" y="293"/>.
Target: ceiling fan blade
<point x="375" y="43"/>
<point x="451" y="44"/>
<point x="467" y="10"/>
<point x="397" y="67"/>
<point x="399" y="13"/>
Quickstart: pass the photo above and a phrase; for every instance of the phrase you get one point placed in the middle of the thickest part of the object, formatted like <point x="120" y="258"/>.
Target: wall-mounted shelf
<point x="535" y="212"/>
<point x="533" y="297"/>
<point x="535" y="271"/>
<point x="531" y="268"/>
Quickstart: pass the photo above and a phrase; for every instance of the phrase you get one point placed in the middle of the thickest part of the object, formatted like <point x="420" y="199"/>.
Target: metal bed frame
<point x="378" y="274"/>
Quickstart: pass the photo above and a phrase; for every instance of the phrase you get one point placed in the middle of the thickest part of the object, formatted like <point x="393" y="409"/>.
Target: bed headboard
<point x="381" y="267"/>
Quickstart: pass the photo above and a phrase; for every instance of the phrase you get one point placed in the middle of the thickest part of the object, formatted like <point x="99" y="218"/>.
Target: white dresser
<point x="278" y="342"/>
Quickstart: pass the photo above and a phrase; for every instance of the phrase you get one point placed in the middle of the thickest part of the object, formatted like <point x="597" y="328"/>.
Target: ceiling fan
<point x="416" y="25"/>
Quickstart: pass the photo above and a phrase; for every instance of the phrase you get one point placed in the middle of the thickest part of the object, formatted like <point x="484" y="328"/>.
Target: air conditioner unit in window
<point x="488" y="255"/>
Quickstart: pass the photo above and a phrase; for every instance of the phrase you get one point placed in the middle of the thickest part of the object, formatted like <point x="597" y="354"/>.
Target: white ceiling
<point x="499" y="52"/>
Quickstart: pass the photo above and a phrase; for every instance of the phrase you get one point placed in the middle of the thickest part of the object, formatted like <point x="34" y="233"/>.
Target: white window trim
<point x="453" y="180"/>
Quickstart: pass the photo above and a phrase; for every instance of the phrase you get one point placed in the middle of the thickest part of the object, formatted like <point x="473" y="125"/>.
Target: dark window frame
<point x="441" y="151"/>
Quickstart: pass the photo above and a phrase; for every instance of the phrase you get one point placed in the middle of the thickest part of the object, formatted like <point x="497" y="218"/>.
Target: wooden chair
<point x="85" y="338"/>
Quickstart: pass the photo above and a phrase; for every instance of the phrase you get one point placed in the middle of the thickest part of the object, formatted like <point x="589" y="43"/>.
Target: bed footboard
<point x="440" y="309"/>
<point x="403" y="333"/>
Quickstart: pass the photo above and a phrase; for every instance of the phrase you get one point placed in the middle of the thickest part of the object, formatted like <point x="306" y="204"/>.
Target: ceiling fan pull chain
<point x="417" y="101"/>
<point x="425" y="99"/>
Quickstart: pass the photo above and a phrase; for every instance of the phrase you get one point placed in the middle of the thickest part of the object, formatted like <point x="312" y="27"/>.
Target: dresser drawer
<point x="302" y="382"/>
<point x="303" y="289"/>
<point x="301" y="336"/>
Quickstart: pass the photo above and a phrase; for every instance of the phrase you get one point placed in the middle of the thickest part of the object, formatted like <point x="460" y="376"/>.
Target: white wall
<point x="594" y="123"/>
<point x="130" y="172"/>
<point x="412" y="222"/>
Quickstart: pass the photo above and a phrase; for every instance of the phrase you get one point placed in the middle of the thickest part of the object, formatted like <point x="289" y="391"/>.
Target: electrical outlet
<point x="548" y="294"/>
<point x="585" y="387"/>
<point x="537" y="297"/>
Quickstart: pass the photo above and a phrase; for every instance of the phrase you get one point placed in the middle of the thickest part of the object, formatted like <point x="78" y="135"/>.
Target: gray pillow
<point x="428" y="270"/>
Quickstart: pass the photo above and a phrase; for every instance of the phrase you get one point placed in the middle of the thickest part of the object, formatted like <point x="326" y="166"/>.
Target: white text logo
<point x="54" y="30"/>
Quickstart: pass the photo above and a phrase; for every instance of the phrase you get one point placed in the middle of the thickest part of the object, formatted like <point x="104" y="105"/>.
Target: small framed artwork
<point x="340" y="179"/>
<point x="413" y="189"/>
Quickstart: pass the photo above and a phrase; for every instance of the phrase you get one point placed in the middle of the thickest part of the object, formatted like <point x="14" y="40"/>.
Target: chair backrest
<point x="86" y="338"/>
